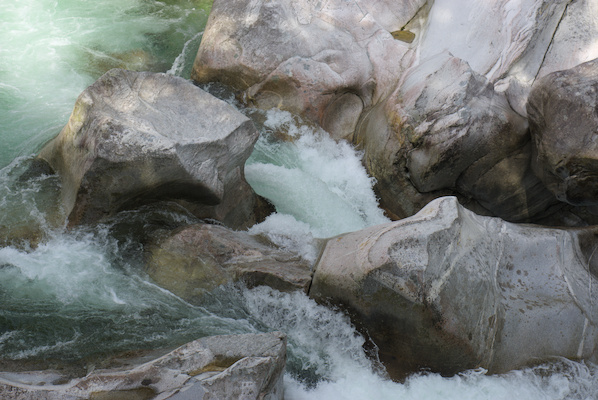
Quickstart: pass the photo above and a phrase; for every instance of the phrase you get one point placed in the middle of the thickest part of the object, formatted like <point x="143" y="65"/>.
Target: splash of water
<point x="319" y="187"/>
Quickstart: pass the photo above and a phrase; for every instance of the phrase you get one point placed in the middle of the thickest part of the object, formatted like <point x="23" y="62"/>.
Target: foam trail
<point x="312" y="181"/>
<point x="180" y="64"/>
<point x="327" y="362"/>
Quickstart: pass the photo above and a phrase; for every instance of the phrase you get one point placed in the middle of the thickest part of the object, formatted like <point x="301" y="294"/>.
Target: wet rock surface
<point x="449" y="290"/>
<point x="217" y="367"/>
<point x="195" y="259"/>
<point x="134" y="138"/>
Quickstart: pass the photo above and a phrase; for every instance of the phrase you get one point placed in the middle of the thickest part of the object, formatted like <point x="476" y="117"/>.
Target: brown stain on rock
<point x="403" y="36"/>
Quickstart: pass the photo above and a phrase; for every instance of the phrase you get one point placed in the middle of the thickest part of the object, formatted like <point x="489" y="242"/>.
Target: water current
<point x="79" y="296"/>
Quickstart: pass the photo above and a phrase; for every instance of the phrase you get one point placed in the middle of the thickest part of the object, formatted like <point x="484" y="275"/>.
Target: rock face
<point x="352" y="67"/>
<point x="135" y="137"/>
<point x="325" y="60"/>
<point x="448" y="129"/>
<point x="574" y="41"/>
<point x="563" y="114"/>
<point x="213" y="368"/>
<point x="504" y="41"/>
<point x="197" y="258"/>
<point x="450" y="290"/>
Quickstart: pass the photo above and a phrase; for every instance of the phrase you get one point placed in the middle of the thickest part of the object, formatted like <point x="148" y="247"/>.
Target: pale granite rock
<point x="450" y="290"/>
<point x="327" y="61"/>
<point x="195" y="259"/>
<point x="134" y="138"/>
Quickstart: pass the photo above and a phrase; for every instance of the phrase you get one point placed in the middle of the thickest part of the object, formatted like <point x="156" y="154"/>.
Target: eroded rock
<point x="326" y="61"/>
<point x="337" y="63"/>
<point x="212" y="368"/>
<point x="563" y="117"/>
<point x="450" y="290"/>
<point x="446" y="130"/>
<point x="196" y="259"/>
<point x="134" y="138"/>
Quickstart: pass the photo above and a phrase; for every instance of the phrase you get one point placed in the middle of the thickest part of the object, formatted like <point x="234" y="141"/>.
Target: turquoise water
<point x="52" y="50"/>
<point x="80" y="295"/>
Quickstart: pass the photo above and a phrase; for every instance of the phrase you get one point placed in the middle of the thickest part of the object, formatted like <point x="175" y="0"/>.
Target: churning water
<point x="80" y="295"/>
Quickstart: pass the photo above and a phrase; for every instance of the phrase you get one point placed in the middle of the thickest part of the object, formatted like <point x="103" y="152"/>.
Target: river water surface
<point x="79" y="296"/>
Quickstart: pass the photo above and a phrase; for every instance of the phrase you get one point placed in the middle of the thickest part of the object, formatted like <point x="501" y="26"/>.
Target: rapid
<point x="80" y="296"/>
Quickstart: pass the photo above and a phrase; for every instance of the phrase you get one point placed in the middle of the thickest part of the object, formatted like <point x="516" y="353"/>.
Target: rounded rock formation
<point x="563" y="115"/>
<point x="134" y="138"/>
<point x="449" y="290"/>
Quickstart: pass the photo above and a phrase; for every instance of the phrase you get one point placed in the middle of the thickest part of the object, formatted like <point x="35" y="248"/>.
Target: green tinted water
<point x="80" y="295"/>
<point x="52" y="50"/>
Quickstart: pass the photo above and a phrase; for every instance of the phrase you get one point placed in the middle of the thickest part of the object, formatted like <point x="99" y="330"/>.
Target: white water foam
<point x="319" y="187"/>
<point x="180" y="63"/>
<point x="323" y="344"/>
<point x="578" y="383"/>
<point x="66" y="269"/>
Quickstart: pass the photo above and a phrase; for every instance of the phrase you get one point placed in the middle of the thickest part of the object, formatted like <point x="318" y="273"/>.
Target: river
<point x="79" y="296"/>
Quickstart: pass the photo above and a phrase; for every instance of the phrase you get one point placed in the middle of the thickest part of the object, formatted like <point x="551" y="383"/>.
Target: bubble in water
<point x="322" y="343"/>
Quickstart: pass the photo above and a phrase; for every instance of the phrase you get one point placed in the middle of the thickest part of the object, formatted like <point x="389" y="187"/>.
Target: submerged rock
<point x="449" y="290"/>
<point x="213" y="368"/>
<point x="194" y="260"/>
<point x="134" y="138"/>
<point x="563" y="117"/>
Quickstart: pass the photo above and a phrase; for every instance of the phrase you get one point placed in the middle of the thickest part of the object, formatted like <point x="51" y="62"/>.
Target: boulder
<point x="449" y="290"/>
<point x="563" y="117"/>
<point x="195" y="259"/>
<point x="347" y="65"/>
<point x="446" y="130"/>
<point x="513" y="43"/>
<point x="138" y="137"/>
<point x="492" y="36"/>
<point x="326" y="61"/>
<point x="218" y="367"/>
<point x="574" y="41"/>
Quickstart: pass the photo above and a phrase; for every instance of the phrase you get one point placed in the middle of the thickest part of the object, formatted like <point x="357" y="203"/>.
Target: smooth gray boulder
<point x="195" y="259"/>
<point x="563" y="115"/>
<point x="245" y="367"/>
<point x="327" y="61"/>
<point x="138" y="137"/>
<point x="449" y="290"/>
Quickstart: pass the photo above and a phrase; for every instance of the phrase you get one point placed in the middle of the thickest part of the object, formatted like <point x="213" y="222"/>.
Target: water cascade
<point x="80" y="296"/>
